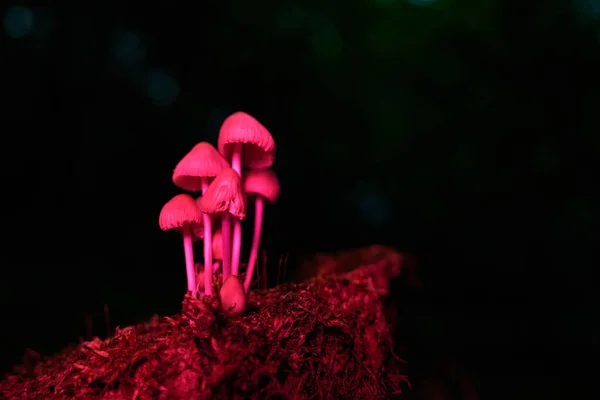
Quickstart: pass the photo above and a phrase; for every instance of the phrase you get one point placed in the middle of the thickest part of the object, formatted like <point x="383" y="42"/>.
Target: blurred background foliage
<point x="463" y="131"/>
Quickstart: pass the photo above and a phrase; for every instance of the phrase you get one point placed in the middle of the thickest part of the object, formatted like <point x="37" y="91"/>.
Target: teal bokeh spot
<point x="326" y="41"/>
<point x="162" y="88"/>
<point x="129" y="49"/>
<point x="591" y="8"/>
<point x="373" y="205"/>
<point x="290" y="17"/>
<point x="18" y="22"/>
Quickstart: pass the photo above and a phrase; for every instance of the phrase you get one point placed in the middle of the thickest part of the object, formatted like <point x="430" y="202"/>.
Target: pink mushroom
<point x="198" y="167"/>
<point x="246" y="142"/>
<point x="194" y="173"/>
<point x="180" y="213"/>
<point x="233" y="297"/>
<point x="225" y="197"/>
<point x="261" y="185"/>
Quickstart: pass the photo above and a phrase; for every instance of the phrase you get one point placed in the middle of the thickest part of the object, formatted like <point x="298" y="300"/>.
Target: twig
<point x="285" y="261"/>
<point x="264" y="269"/>
<point x="279" y="268"/>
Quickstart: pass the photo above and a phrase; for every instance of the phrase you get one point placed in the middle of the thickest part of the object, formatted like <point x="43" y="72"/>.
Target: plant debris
<point x="324" y="338"/>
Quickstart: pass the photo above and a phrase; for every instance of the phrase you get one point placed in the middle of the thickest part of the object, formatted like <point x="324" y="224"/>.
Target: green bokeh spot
<point x="326" y="41"/>
<point x="290" y="17"/>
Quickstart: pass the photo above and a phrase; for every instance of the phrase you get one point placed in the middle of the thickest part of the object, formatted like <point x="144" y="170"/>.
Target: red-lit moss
<point x="324" y="338"/>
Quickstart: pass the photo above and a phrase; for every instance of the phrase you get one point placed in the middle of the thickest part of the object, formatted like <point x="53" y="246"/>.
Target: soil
<point x="324" y="338"/>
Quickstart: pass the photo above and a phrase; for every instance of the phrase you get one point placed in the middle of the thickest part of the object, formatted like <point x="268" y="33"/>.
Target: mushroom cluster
<point x="226" y="188"/>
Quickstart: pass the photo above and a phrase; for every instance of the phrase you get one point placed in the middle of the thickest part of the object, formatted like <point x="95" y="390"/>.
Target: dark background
<point x="465" y="132"/>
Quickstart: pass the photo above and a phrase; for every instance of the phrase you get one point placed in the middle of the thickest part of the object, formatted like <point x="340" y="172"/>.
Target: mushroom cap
<point x="261" y="182"/>
<point x="225" y="195"/>
<point x="203" y="161"/>
<point x="217" y="245"/>
<point x="179" y="211"/>
<point x="258" y="145"/>
<point x="233" y="296"/>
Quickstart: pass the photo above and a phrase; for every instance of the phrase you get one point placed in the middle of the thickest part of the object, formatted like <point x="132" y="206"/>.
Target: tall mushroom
<point x="246" y="142"/>
<point x="225" y="197"/>
<point x="194" y="173"/>
<point x="180" y="213"/>
<point x="261" y="185"/>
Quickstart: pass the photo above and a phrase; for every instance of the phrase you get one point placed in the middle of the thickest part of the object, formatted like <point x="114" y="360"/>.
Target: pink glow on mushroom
<point x="198" y="167"/>
<point x="233" y="297"/>
<point x="246" y="142"/>
<point x="225" y="197"/>
<point x="194" y="173"/>
<point x="181" y="213"/>
<point x="262" y="186"/>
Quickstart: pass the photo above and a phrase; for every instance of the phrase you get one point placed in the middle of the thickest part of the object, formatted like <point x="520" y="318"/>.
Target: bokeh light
<point x="128" y="49"/>
<point x="162" y="88"/>
<point x="590" y="8"/>
<point x="18" y="22"/>
<point x="290" y="17"/>
<point x="373" y="205"/>
<point x="326" y="41"/>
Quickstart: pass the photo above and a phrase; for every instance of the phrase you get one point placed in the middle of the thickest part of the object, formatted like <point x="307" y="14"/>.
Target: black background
<point x="464" y="133"/>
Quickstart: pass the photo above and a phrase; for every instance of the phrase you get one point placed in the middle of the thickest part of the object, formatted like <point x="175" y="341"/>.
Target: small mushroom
<point x="180" y="213"/>
<point x="263" y="186"/>
<point x="233" y="296"/>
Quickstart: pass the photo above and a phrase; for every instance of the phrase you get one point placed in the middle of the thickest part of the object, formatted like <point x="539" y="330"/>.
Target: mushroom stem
<point x="226" y="237"/>
<point x="189" y="259"/>
<point x="237" y="246"/>
<point x="258" y="219"/>
<point x="236" y="158"/>
<point x="208" y="271"/>
<point x="236" y="165"/>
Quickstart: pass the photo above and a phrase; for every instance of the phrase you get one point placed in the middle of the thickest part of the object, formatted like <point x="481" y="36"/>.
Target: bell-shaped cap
<point x="178" y="212"/>
<point x="203" y="161"/>
<point x="225" y="195"/>
<point x="261" y="182"/>
<point x="258" y="146"/>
